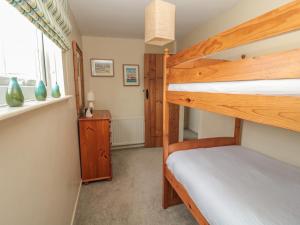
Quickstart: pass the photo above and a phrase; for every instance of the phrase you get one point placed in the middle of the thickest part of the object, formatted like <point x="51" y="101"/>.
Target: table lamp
<point x="90" y="99"/>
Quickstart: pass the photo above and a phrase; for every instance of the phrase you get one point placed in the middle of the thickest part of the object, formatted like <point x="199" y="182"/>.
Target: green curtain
<point x="50" y="16"/>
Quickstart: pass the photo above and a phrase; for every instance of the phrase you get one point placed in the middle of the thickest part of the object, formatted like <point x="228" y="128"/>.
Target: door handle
<point x="147" y="94"/>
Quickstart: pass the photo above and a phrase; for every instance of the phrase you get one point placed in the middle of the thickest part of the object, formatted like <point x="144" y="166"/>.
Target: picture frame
<point x="102" y="67"/>
<point x="131" y="75"/>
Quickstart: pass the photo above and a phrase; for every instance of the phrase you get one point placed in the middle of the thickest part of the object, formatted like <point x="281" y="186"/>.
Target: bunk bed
<point x="221" y="182"/>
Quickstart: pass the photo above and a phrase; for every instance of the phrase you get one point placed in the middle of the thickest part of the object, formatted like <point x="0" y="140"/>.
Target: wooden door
<point x="153" y="81"/>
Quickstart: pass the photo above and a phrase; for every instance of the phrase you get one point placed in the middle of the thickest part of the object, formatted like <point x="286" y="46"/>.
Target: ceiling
<point x="125" y="18"/>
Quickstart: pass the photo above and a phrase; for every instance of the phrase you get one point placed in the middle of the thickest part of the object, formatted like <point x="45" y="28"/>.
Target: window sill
<point x="7" y="112"/>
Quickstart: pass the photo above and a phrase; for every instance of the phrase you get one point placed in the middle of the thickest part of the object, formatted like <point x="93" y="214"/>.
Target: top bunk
<point x="263" y="89"/>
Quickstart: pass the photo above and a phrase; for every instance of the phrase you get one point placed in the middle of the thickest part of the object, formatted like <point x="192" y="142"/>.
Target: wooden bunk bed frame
<point x="189" y="66"/>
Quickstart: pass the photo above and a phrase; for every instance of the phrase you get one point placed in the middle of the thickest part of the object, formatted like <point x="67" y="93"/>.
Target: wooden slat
<point x="275" y="66"/>
<point x="238" y="131"/>
<point x="278" y="21"/>
<point x="174" y="123"/>
<point x="148" y="74"/>
<point x="201" y="143"/>
<point x="199" y="63"/>
<point x="190" y="204"/>
<point x="279" y="111"/>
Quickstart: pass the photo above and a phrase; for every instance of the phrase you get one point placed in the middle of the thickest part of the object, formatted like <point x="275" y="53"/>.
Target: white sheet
<point x="236" y="186"/>
<point x="264" y="87"/>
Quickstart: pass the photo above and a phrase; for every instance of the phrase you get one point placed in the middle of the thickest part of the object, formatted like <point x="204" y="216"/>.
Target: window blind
<point x="50" y="16"/>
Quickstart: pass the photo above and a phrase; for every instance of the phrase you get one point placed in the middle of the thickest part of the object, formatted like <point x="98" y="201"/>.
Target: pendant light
<point x="159" y="23"/>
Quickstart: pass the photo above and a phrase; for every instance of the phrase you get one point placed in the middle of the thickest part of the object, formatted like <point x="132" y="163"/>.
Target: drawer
<point x="95" y="148"/>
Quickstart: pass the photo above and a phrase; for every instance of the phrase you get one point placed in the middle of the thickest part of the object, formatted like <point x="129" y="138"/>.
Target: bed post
<point x="237" y="131"/>
<point x="170" y="197"/>
<point x="166" y="109"/>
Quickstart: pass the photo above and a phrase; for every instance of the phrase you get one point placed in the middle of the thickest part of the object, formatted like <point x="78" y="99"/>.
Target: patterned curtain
<point x="50" y="16"/>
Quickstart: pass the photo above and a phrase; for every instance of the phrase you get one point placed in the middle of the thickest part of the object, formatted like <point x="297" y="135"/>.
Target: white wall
<point x="275" y="142"/>
<point x="193" y="119"/>
<point x="124" y="102"/>
<point x="39" y="161"/>
<point x="109" y="91"/>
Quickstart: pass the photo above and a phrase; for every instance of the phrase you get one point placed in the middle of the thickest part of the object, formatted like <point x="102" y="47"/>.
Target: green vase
<point x="40" y="91"/>
<point x="55" y="93"/>
<point x="14" y="95"/>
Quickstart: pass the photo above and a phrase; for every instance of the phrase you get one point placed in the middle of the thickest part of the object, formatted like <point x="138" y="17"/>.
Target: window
<point x="53" y="63"/>
<point x="26" y="53"/>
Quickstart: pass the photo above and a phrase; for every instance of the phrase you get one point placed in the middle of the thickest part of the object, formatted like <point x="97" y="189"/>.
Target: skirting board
<point x="127" y="146"/>
<point x="76" y="203"/>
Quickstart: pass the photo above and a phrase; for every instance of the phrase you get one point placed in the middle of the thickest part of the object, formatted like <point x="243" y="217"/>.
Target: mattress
<point x="233" y="185"/>
<point x="264" y="87"/>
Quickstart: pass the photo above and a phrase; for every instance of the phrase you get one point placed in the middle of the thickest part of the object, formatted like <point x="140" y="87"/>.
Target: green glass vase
<point x="55" y="93"/>
<point x="40" y="91"/>
<point x="14" y="95"/>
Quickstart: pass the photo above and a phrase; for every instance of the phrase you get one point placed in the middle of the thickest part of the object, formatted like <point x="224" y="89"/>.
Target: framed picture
<point x="131" y="75"/>
<point x="102" y="67"/>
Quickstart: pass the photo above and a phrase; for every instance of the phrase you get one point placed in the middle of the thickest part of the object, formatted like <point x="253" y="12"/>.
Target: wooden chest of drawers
<point x="95" y="146"/>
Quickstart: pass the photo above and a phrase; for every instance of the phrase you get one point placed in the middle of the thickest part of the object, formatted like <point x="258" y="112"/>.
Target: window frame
<point x="44" y="75"/>
<point x="41" y="56"/>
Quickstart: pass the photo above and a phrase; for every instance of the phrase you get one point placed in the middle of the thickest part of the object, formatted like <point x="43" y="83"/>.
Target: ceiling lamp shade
<point x="159" y="23"/>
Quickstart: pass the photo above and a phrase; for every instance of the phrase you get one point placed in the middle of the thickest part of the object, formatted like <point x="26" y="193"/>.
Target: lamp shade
<point x="159" y="23"/>
<point x="91" y="96"/>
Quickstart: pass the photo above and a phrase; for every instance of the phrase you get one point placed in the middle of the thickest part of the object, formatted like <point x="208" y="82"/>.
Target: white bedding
<point x="236" y="186"/>
<point x="267" y="87"/>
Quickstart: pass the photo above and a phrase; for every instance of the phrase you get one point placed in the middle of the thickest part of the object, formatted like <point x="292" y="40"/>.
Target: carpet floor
<point x="133" y="197"/>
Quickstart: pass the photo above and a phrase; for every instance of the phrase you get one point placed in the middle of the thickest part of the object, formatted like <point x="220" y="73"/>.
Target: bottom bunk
<point x="233" y="185"/>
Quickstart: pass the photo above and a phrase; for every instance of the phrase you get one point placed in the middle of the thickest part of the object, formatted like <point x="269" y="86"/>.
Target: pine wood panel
<point x="168" y="191"/>
<point x="159" y="98"/>
<point x="279" y="111"/>
<point x="170" y="197"/>
<point x="166" y="110"/>
<point x="201" y="143"/>
<point x="278" y="21"/>
<point x="183" y="194"/>
<point x="238" y="131"/>
<point x="95" y="147"/>
<point x="150" y="105"/>
<point x="153" y="80"/>
<point x="174" y="123"/>
<point x="199" y="63"/>
<point x="275" y="66"/>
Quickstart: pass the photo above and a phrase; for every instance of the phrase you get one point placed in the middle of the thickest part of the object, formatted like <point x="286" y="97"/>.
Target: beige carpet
<point x="133" y="197"/>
